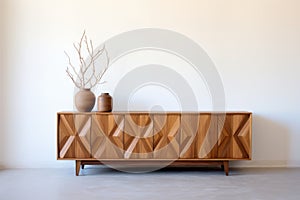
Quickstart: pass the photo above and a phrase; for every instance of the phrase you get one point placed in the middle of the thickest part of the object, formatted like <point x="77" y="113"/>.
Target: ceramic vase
<point x="105" y="103"/>
<point x="85" y="100"/>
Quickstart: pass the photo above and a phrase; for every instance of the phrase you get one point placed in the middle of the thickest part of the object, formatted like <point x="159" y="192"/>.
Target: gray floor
<point x="98" y="182"/>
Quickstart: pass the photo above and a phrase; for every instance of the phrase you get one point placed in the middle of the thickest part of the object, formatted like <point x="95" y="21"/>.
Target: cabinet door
<point x="235" y="136"/>
<point x="138" y="136"/>
<point x="74" y="136"/>
<point x="166" y="136"/>
<point x="107" y="136"/>
<point x="199" y="138"/>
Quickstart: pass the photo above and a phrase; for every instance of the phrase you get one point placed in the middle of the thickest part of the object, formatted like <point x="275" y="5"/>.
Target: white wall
<point x="254" y="44"/>
<point x="2" y="63"/>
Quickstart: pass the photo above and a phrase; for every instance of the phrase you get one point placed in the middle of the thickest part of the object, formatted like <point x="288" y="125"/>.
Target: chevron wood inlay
<point x="107" y="136"/>
<point x="166" y="136"/>
<point x="198" y="136"/>
<point x="74" y="137"/>
<point x="207" y="137"/>
<point x="138" y="136"/>
<point x="235" y="136"/>
<point x="132" y="137"/>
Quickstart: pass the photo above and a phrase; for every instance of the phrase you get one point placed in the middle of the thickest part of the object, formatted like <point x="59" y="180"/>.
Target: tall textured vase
<point x="85" y="100"/>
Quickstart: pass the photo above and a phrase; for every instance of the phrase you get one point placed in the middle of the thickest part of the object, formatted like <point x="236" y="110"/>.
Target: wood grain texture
<point x="74" y="136"/>
<point x="146" y="139"/>
<point x="107" y="136"/>
<point x="235" y="136"/>
<point x="88" y="136"/>
<point x="207" y="137"/>
<point x="138" y="136"/>
<point x="166" y="136"/>
<point x="189" y="129"/>
<point x="77" y="167"/>
<point x="198" y="136"/>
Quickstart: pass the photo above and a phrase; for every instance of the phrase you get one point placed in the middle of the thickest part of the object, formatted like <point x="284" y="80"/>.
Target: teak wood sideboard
<point x="150" y="138"/>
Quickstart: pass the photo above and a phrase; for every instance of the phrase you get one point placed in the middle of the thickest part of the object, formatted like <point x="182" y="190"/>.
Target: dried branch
<point x="80" y="78"/>
<point x="72" y="78"/>
<point x="100" y="75"/>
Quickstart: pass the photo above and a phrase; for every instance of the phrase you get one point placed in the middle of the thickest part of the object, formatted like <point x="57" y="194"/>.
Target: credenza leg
<point x="77" y="163"/>
<point x="82" y="166"/>
<point x="226" y="167"/>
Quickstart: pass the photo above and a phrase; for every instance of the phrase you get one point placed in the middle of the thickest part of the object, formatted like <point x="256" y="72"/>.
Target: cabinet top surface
<point x="151" y="112"/>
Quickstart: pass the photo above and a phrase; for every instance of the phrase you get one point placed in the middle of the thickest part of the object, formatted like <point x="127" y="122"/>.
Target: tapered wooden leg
<point x="82" y="166"/>
<point x="226" y="167"/>
<point x="78" y="163"/>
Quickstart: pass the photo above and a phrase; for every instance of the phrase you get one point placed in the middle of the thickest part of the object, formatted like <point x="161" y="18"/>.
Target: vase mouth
<point x="85" y="88"/>
<point x="105" y="93"/>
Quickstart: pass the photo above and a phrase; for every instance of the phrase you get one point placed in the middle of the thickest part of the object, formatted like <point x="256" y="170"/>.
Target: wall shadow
<point x="270" y="144"/>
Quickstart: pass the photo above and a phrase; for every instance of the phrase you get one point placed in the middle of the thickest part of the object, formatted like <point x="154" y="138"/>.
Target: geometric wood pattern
<point x="199" y="138"/>
<point x="138" y="136"/>
<point x="235" y="136"/>
<point x="207" y="137"/>
<point x="107" y="136"/>
<point x="166" y="136"/>
<point x="74" y="136"/>
<point x="189" y="128"/>
<point x="170" y="135"/>
<point x="183" y="137"/>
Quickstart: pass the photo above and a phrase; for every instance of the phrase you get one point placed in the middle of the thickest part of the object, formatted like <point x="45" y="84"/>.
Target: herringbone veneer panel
<point x="74" y="136"/>
<point x="107" y="136"/>
<point x="166" y="136"/>
<point x="235" y="136"/>
<point x="138" y="136"/>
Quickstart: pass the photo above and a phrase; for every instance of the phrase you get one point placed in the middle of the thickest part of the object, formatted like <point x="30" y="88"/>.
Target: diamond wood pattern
<point x="74" y="136"/>
<point x="138" y="136"/>
<point x="166" y="136"/>
<point x="235" y="136"/>
<point x="107" y="136"/>
<point x="190" y="138"/>
<point x="199" y="137"/>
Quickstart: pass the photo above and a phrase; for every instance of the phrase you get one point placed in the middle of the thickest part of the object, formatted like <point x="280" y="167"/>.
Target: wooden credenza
<point x="183" y="138"/>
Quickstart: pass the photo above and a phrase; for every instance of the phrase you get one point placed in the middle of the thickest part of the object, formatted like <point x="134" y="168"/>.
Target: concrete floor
<point x="97" y="182"/>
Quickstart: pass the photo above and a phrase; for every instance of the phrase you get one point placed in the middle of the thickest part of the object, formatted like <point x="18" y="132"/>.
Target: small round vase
<point x="85" y="100"/>
<point x="105" y="103"/>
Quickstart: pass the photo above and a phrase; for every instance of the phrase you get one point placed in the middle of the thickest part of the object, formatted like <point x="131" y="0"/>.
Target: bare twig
<point x="80" y="78"/>
<point x="72" y="78"/>
<point x="100" y="75"/>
